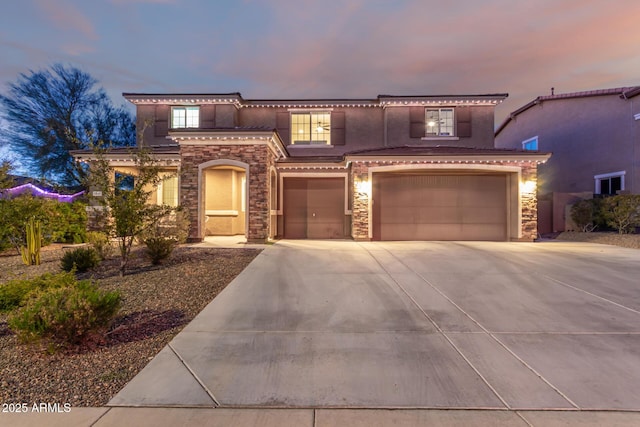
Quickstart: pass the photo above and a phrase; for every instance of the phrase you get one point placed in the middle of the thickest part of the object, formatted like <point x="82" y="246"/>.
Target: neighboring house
<point x="595" y="140"/>
<point x="389" y="168"/>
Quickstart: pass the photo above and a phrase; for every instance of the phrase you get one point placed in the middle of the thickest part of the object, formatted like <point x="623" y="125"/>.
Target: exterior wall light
<point x="363" y="187"/>
<point x="528" y="187"/>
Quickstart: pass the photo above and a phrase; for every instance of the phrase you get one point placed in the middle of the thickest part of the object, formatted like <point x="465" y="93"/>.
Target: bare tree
<point x="53" y="111"/>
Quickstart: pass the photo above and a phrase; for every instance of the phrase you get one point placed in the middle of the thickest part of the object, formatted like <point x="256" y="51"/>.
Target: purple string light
<point x="36" y="191"/>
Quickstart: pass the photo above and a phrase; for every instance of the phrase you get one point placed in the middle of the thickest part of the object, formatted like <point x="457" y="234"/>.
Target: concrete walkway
<point x="251" y="417"/>
<point x="344" y="333"/>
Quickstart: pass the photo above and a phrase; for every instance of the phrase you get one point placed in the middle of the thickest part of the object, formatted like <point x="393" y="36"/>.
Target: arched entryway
<point x="223" y="200"/>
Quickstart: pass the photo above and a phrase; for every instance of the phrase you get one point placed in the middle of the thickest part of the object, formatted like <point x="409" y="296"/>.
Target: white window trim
<point x="185" y="117"/>
<point x="440" y="138"/>
<point x="526" y="141"/>
<point x="309" y="111"/>
<point x="599" y="178"/>
<point x="453" y="137"/>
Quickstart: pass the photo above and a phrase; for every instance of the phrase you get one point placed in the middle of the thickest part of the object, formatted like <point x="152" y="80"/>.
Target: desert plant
<point x="101" y="243"/>
<point x="583" y="215"/>
<point x="80" y="259"/>
<point x="15" y="292"/>
<point x="31" y="252"/>
<point x="65" y="315"/>
<point x="622" y="212"/>
<point x="163" y="235"/>
<point x="125" y="200"/>
<point x="67" y="222"/>
<point x="159" y="248"/>
<point x="59" y="222"/>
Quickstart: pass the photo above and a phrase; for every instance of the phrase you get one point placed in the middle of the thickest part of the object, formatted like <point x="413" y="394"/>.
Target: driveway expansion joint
<point x="485" y="330"/>
<point x="195" y="377"/>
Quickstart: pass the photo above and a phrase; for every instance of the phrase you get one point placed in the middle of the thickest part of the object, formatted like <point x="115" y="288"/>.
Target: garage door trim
<point x="514" y="219"/>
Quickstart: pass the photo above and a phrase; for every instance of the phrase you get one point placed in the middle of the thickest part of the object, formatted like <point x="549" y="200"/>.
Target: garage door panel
<point x="314" y="208"/>
<point x="296" y="208"/>
<point x="469" y="232"/>
<point x="439" y="207"/>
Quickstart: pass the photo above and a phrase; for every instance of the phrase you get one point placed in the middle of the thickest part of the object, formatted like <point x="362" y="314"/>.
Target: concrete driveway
<point x="341" y="324"/>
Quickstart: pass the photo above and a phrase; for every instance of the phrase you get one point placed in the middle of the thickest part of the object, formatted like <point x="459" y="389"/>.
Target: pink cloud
<point x="524" y="48"/>
<point x="119" y="2"/>
<point x="67" y="17"/>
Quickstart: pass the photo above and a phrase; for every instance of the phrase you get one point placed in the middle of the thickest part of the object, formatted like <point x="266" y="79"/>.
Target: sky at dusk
<point x="329" y="49"/>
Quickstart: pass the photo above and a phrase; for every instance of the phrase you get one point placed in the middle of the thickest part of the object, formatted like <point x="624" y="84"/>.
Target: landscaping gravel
<point x="157" y="301"/>
<point x="606" y="238"/>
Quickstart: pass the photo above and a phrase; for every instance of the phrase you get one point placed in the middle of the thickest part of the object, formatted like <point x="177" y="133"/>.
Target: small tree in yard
<point x="622" y="212"/>
<point x="127" y="212"/>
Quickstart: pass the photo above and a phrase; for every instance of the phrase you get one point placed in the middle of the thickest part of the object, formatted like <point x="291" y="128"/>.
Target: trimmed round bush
<point x="65" y="315"/>
<point x="82" y="259"/>
<point x="159" y="248"/>
<point x="14" y="293"/>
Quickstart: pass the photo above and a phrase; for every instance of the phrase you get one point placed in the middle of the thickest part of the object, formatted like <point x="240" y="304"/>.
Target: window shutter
<point x="463" y="119"/>
<point x="282" y="126"/>
<point x="161" y="125"/>
<point x="338" y="130"/>
<point x="416" y="119"/>
<point x="207" y="116"/>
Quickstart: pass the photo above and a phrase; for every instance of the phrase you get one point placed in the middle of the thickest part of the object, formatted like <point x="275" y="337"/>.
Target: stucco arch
<point x="202" y="167"/>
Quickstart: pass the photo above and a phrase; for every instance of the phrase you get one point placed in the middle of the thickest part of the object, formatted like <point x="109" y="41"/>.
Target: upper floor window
<point x="530" y="144"/>
<point x="609" y="183"/>
<point x="311" y="128"/>
<point x="185" y="117"/>
<point x="439" y="122"/>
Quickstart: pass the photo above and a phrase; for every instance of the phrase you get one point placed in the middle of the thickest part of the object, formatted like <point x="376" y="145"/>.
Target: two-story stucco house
<point x="388" y="168"/>
<point x="595" y="140"/>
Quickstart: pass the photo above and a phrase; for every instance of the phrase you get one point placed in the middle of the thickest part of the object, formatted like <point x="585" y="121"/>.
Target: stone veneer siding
<point x="258" y="157"/>
<point x="360" y="203"/>
<point x="529" y="203"/>
<point x="360" y="216"/>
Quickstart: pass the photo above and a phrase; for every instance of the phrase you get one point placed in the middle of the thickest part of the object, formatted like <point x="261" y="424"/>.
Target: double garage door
<point x="410" y="206"/>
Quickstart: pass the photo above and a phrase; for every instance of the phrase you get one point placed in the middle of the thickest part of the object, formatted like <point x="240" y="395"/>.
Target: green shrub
<point x="101" y="243"/>
<point x="68" y="222"/>
<point x="15" y="292"/>
<point x="80" y="259"/>
<point x="15" y="212"/>
<point x="165" y="234"/>
<point x="65" y="315"/>
<point x="622" y="212"/>
<point x="159" y="248"/>
<point x="583" y="214"/>
<point x="61" y="222"/>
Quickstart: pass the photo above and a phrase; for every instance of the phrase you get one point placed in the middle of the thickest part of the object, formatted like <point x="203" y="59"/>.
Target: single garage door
<point x="314" y="208"/>
<point x="439" y="206"/>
